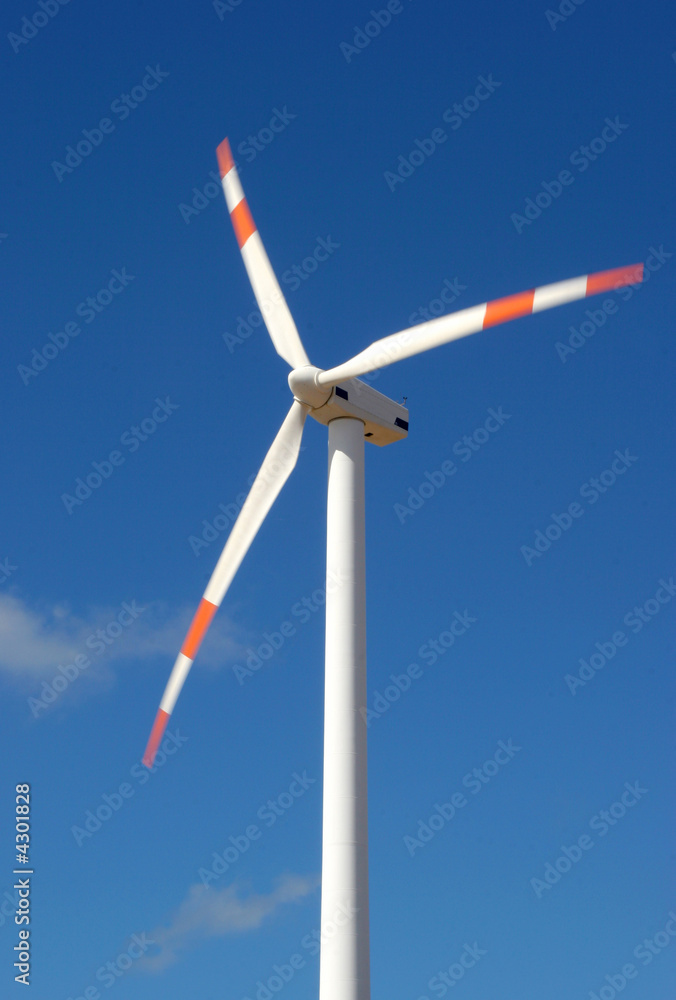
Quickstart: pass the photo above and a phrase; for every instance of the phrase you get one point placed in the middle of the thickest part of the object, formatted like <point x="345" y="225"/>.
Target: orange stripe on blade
<point x="511" y="307"/>
<point x="225" y="160"/>
<point x="198" y="628"/>
<point x="243" y="223"/>
<point x="606" y="281"/>
<point x="159" y="725"/>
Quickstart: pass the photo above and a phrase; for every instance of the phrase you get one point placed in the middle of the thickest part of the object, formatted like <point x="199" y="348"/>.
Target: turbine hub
<point x="303" y="384"/>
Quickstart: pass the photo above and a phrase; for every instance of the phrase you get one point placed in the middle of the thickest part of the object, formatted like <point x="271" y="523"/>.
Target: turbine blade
<point x="439" y="331"/>
<point x="269" y="297"/>
<point x="274" y="472"/>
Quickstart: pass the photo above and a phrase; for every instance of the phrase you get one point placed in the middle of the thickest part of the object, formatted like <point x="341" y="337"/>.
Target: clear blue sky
<point x="132" y="225"/>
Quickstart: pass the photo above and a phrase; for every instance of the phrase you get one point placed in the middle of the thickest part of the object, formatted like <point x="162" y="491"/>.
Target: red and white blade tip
<point x="198" y="629"/>
<point x="536" y="299"/>
<point x="606" y="281"/>
<point x="225" y="158"/>
<point x="159" y="726"/>
<point x="269" y="296"/>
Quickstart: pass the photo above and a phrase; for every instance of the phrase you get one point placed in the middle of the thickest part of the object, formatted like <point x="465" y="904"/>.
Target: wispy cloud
<point x="208" y="912"/>
<point x="29" y="641"/>
<point x="34" y="641"/>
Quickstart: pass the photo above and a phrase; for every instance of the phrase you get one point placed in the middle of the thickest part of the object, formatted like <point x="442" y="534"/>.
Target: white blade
<point x="274" y="472"/>
<point x="440" y="331"/>
<point x="269" y="297"/>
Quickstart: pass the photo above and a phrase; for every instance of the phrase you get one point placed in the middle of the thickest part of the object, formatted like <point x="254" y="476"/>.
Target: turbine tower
<point x="354" y="413"/>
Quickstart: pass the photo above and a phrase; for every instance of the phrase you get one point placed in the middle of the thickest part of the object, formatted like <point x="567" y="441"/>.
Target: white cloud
<point x="33" y="642"/>
<point x="208" y="912"/>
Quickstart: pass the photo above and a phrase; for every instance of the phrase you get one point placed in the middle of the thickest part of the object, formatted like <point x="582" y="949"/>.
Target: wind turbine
<point x="354" y="413"/>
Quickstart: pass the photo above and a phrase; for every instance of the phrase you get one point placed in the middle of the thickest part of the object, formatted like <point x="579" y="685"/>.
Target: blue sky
<point x="149" y="382"/>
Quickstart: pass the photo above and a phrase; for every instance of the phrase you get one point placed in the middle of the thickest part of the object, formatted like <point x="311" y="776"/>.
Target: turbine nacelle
<point x="384" y="420"/>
